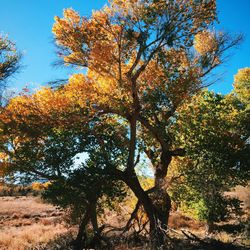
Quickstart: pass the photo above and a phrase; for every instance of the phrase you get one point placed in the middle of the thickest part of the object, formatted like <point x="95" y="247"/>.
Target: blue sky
<point x="29" y="24"/>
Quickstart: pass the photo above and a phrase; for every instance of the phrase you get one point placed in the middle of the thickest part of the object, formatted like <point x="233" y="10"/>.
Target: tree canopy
<point x="146" y="63"/>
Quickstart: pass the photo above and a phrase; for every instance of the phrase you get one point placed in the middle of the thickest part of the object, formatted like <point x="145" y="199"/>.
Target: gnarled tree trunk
<point x="89" y="216"/>
<point x="157" y="212"/>
<point x="78" y="243"/>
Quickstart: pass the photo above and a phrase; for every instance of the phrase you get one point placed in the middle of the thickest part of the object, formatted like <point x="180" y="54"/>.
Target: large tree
<point x="144" y="59"/>
<point x="142" y="65"/>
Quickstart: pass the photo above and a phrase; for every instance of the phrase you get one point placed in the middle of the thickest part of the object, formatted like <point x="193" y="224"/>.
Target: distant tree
<point x="242" y="86"/>
<point x="9" y="60"/>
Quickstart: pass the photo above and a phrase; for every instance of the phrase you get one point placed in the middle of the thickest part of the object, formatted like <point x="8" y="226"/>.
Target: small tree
<point x="93" y="190"/>
<point x="9" y="60"/>
<point x="48" y="152"/>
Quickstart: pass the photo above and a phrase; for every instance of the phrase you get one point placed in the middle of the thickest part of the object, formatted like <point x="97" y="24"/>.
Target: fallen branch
<point x="194" y="237"/>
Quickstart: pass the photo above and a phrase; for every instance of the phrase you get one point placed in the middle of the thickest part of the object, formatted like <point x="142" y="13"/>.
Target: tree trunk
<point x="94" y="220"/>
<point x="78" y="243"/>
<point x="134" y="185"/>
<point x="158" y="218"/>
<point x="90" y="215"/>
<point x="96" y="240"/>
<point x="162" y="203"/>
<point x="162" y="199"/>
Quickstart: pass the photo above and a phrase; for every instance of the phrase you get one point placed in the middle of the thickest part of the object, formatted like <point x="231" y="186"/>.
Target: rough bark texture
<point x="78" y="243"/>
<point x="90" y="216"/>
<point x="157" y="207"/>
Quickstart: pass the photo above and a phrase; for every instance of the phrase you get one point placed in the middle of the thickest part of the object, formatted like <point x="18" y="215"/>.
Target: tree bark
<point x="78" y="243"/>
<point x="90" y="215"/>
<point x="134" y="185"/>
<point x="158" y="218"/>
<point x="162" y="199"/>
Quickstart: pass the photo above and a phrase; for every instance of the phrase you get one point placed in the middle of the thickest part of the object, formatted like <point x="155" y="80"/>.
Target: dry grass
<point x="27" y="236"/>
<point x="23" y="205"/>
<point x="27" y="222"/>
<point x="242" y="193"/>
<point x="180" y="221"/>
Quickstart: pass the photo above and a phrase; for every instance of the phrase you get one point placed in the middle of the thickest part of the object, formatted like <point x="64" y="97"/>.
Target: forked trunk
<point x="157" y="215"/>
<point x="90" y="215"/>
<point x="78" y="243"/>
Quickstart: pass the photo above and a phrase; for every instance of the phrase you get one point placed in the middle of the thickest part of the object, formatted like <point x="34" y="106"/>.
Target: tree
<point x="141" y="66"/>
<point x="94" y="190"/>
<point x="215" y="137"/>
<point x="242" y="86"/>
<point x="9" y="60"/>
<point x="41" y="145"/>
<point x="144" y="59"/>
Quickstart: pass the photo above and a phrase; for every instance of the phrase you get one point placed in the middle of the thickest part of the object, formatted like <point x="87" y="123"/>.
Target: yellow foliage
<point x="242" y="85"/>
<point x="38" y="186"/>
<point x="205" y="42"/>
<point x="243" y="75"/>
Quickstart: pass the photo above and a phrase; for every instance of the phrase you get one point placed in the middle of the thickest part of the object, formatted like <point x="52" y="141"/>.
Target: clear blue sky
<point x="29" y="24"/>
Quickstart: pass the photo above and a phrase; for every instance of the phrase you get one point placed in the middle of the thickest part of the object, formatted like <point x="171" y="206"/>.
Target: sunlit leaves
<point x="142" y="71"/>
<point x="242" y="85"/>
<point x="205" y="42"/>
<point x="213" y="130"/>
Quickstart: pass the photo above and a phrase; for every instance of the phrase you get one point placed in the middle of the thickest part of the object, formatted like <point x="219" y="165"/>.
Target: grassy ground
<point x="28" y="223"/>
